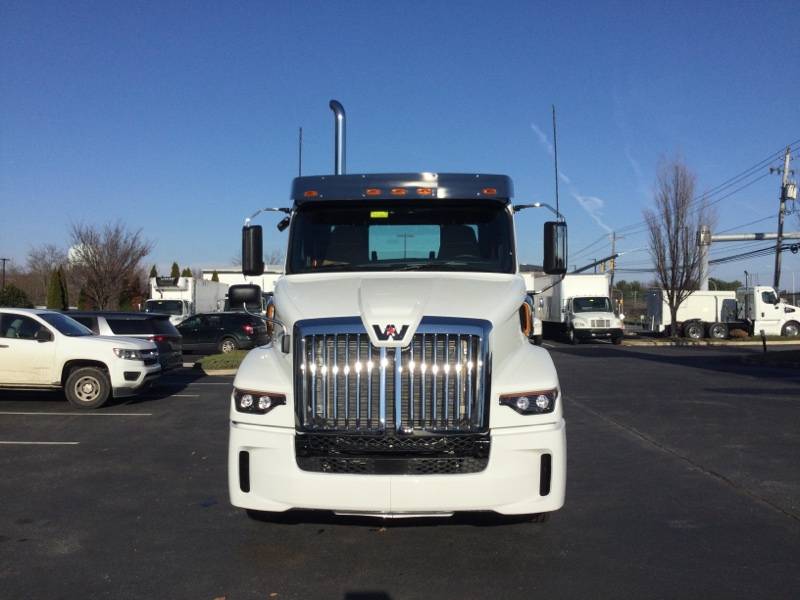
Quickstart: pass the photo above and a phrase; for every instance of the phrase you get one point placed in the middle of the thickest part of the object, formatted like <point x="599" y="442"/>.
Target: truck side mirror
<point x="555" y="247"/>
<point x="252" y="250"/>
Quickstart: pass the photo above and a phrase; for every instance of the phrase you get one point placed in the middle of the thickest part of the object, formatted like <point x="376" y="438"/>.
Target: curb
<point x="706" y="343"/>
<point x="218" y="371"/>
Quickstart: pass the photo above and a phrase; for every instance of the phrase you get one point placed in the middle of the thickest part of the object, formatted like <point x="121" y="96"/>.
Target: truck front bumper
<point x="128" y="380"/>
<point x="510" y="484"/>
<point x="598" y="334"/>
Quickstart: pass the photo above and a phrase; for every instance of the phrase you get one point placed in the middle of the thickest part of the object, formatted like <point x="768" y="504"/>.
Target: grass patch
<point x="216" y="362"/>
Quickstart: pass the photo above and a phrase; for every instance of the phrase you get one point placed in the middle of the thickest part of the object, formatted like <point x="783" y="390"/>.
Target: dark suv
<point x="149" y="326"/>
<point x="222" y="332"/>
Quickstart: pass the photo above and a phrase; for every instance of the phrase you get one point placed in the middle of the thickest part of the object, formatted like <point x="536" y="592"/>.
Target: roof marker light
<point x="398" y="191"/>
<point x="311" y="193"/>
<point x="489" y="191"/>
<point x="373" y="192"/>
<point x="424" y="191"/>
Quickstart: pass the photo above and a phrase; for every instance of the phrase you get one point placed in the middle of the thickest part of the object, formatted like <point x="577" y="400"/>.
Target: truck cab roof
<point x="402" y="186"/>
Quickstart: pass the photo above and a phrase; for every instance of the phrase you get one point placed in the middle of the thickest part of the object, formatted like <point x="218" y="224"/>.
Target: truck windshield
<point x="402" y="236"/>
<point x="592" y="304"/>
<point x="169" y="307"/>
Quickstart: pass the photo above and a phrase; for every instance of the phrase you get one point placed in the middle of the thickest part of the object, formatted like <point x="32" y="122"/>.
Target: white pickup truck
<point x="45" y="349"/>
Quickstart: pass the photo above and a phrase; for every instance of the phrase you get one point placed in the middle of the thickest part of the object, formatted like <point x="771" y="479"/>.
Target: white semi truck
<point x="399" y="380"/>
<point x="183" y="297"/>
<point x="715" y="314"/>
<point x="578" y="308"/>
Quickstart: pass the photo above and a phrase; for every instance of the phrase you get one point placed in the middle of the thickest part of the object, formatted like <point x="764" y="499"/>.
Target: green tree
<point x="57" y="295"/>
<point x="153" y="272"/>
<point x="187" y="272"/>
<point x="215" y="276"/>
<point x="721" y="284"/>
<point x="14" y="297"/>
<point x="175" y="272"/>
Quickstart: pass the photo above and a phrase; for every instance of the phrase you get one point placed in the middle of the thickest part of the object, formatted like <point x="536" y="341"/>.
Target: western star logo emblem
<point x="390" y="332"/>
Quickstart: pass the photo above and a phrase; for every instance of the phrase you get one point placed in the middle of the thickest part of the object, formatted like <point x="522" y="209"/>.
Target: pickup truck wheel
<point x="693" y="331"/>
<point x="87" y="387"/>
<point x="791" y="329"/>
<point x="227" y="345"/>
<point x="718" y="331"/>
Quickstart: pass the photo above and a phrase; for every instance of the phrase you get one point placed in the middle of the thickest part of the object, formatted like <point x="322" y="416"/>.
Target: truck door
<point x="23" y="359"/>
<point x="769" y="313"/>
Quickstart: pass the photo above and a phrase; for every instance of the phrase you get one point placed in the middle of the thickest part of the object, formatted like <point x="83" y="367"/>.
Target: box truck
<point x="182" y="297"/>
<point x="578" y="308"/>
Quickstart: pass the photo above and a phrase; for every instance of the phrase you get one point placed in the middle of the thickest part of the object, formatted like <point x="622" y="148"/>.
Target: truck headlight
<point x="128" y="354"/>
<point x="256" y="402"/>
<point x="531" y="403"/>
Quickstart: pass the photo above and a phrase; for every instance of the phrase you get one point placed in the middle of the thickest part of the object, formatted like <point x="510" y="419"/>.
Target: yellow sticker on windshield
<point x="379" y="214"/>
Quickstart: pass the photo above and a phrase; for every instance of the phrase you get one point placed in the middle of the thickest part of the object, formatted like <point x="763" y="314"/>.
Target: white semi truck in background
<point x="715" y="314"/>
<point x="579" y="308"/>
<point x="182" y="297"/>
<point x="399" y="380"/>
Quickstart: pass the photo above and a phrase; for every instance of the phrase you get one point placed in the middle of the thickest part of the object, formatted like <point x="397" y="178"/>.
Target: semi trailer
<point x="182" y="297"/>
<point x="399" y="380"/>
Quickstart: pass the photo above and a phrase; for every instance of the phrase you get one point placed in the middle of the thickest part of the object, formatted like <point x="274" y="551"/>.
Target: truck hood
<point x="397" y="302"/>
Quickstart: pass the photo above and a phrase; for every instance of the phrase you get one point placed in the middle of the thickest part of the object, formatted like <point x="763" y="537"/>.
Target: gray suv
<point x="147" y="326"/>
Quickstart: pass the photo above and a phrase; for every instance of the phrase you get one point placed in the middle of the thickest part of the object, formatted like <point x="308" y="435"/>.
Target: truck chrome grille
<point x="437" y="383"/>
<point x="601" y="323"/>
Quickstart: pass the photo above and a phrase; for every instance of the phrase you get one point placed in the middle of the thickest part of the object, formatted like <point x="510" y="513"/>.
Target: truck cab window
<point x="769" y="297"/>
<point x="402" y="236"/>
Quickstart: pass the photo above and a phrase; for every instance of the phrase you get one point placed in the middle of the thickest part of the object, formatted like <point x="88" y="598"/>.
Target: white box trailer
<point x="578" y="307"/>
<point x="182" y="297"/>
<point x="705" y="306"/>
<point x="234" y="276"/>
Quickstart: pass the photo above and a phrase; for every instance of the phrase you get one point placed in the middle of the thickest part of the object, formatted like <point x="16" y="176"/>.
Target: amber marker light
<point x="311" y="193"/>
<point x="489" y="191"/>
<point x="424" y="191"/>
<point x="398" y="191"/>
<point x="373" y="192"/>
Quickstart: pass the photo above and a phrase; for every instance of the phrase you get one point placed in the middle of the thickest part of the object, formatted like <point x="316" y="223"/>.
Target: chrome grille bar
<point x="435" y="384"/>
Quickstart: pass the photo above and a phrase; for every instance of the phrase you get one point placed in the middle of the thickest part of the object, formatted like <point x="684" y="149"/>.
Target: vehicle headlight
<point x="128" y="354"/>
<point x="256" y="402"/>
<point x="531" y="403"/>
<point x="579" y="323"/>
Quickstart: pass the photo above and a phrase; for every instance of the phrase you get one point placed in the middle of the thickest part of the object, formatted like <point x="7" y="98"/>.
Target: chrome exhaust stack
<point x="339" y="138"/>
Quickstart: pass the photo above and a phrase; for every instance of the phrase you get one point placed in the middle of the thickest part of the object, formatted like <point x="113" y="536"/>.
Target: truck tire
<point x="571" y="337"/>
<point x="718" y="331"/>
<point x="791" y="329"/>
<point x="537" y="340"/>
<point x="693" y="330"/>
<point x="617" y="340"/>
<point x="87" y="387"/>
<point x="226" y="345"/>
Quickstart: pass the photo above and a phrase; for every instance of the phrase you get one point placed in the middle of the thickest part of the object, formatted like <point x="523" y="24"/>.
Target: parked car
<point x="154" y="327"/>
<point x="49" y="350"/>
<point x="222" y="332"/>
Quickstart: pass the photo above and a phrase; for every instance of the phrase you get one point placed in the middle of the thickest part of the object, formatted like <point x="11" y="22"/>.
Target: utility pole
<point x="613" y="269"/>
<point x="776" y="282"/>
<point x="5" y="260"/>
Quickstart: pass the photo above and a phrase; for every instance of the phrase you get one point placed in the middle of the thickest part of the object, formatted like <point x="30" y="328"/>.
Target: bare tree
<point x="109" y="259"/>
<point x="673" y="226"/>
<point x="276" y="256"/>
<point x="42" y="261"/>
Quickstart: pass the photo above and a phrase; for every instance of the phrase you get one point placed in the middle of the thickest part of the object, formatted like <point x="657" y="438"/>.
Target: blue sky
<point x="182" y="118"/>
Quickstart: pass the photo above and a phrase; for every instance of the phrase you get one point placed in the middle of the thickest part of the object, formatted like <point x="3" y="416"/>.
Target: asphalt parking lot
<point x="682" y="482"/>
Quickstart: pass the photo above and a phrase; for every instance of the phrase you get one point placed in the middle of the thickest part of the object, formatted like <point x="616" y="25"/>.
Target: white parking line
<point x="184" y="395"/>
<point x="548" y="345"/>
<point x="13" y="443"/>
<point x="75" y="414"/>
